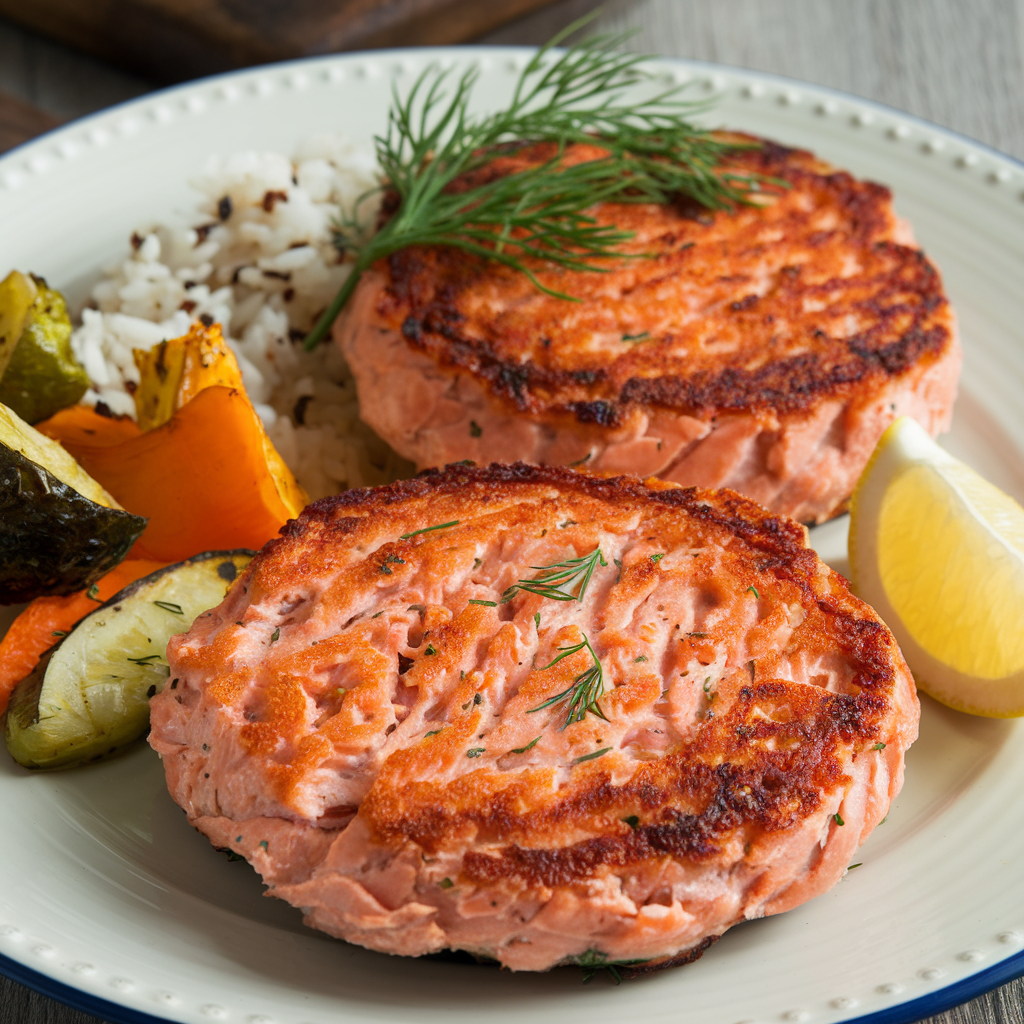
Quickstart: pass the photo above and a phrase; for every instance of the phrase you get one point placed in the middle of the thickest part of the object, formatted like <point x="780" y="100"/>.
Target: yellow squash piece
<point x="41" y="374"/>
<point x="17" y="293"/>
<point x="175" y="371"/>
<point x="938" y="551"/>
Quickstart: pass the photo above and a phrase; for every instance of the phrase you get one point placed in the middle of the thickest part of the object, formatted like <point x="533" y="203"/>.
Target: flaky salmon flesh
<point x="537" y="715"/>
<point x="764" y="349"/>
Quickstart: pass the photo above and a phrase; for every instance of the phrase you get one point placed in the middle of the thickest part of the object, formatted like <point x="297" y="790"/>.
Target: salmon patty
<point x="537" y="715"/>
<point x="766" y="349"/>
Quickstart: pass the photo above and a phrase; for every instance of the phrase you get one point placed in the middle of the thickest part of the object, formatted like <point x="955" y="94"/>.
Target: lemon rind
<point x="903" y="445"/>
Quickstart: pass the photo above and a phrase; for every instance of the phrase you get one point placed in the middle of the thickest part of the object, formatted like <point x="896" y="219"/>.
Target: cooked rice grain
<point x="256" y="256"/>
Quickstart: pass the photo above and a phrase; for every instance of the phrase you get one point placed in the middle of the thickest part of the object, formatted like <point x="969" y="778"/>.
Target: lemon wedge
<point x="938" y="552"/>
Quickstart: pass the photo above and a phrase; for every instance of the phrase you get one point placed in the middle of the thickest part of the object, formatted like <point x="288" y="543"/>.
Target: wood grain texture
<point x="958" y="63"/>
<point x="62" y="82"/>
<point x="177" y="40"/>
<point x="21" y="121"/>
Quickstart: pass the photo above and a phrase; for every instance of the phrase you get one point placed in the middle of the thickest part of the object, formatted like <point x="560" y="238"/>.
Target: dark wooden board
<point x="20" y="121"/>
<point x="176" y="40"/>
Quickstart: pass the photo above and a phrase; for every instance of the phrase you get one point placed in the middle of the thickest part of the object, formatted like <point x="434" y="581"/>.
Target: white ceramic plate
<point x="112" y="902"/>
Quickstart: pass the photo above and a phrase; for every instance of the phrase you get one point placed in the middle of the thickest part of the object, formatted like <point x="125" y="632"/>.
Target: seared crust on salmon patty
<point x="765" y="349"/>
<point x="379" y="717"/>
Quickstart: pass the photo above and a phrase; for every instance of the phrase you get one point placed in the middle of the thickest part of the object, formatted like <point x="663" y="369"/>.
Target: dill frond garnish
<point x="593" y="962"/>
<point x="529" y="746"/>
<point x="560" y="581"/>
<point x="586" y="688"/>
<point x="591" y="756"/>
<point x="654" y="154"/>
<point x="428" y="529"/>
<point x="169" y="606"/>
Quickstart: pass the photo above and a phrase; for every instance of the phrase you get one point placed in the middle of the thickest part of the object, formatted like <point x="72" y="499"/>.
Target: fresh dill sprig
<point x="428" y="529"/>
<point x="529" y="746"/>
<point x="169" y="606"/>
<point x="587" y="688"/>
<point x="593" y="962"/>
<point x="654" y="154"/>
<point x="561" y="581"/>
<point x="591" y="756"/>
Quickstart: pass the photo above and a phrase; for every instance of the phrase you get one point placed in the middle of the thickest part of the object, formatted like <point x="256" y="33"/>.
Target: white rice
<point x="264" y="272"/>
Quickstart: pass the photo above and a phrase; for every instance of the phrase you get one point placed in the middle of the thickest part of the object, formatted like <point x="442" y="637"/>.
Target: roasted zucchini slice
<point x="61" y="530"/>
<point x="42" y="374"/>
<point x="89" y="694"/>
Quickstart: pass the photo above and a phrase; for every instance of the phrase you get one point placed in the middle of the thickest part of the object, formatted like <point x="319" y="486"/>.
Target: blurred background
<point x="959" y="63"/>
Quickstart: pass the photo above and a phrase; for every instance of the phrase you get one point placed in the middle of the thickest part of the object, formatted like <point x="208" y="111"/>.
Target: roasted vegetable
<point x="17" y="434"/>
<point x="89" y="695"/>
<point x="203" y="479"/>
<point x="81" y="424"/>
<point x="204" y="471"/>
<point x="175" y="371"/>
<point x="42" y="375"/>
<point x="17" y="293"/>
<point x="47" y="619"/>
<point x="61" y="530"/>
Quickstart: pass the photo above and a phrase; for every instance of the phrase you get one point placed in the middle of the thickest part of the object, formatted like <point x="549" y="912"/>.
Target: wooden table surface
<point x="959" y="63"/>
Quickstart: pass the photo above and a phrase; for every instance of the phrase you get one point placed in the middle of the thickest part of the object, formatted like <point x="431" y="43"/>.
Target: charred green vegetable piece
<point x="17" y="293"/>
<point x="60" y="530"/>
<point x="54" y="541"/>
<point x="42" y="374"/>
<point x="45" y="452"/>
<point x="89" y="695"/>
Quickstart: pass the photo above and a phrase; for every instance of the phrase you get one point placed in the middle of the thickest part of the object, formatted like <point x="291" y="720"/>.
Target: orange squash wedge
<point x="208" y="479"/>
<point x="81" y="424"/>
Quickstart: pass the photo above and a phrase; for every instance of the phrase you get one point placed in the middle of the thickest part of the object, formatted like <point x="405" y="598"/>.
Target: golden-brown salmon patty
<point x="416" y="733"/>
<point x="764" y="350"/>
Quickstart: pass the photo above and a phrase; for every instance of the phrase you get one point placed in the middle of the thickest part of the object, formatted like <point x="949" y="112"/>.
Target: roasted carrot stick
<point x="46" y="619"/>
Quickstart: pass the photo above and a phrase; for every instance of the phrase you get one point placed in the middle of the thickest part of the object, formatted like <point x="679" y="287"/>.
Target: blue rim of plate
<point x="908" y="1012"/>
<point x="905" y="1013"/>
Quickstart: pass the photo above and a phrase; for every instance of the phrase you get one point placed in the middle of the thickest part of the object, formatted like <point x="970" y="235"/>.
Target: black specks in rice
<point x="255" y="255"/>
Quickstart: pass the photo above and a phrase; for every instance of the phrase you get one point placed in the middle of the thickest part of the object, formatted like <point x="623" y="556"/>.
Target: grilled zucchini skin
<point x="54" y="540"/>
<point x="88" y="696"/>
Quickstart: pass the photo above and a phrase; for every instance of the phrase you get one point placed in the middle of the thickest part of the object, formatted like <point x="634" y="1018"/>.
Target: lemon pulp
<point x="951" y="560"/>
<point x="939" y="553"/>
